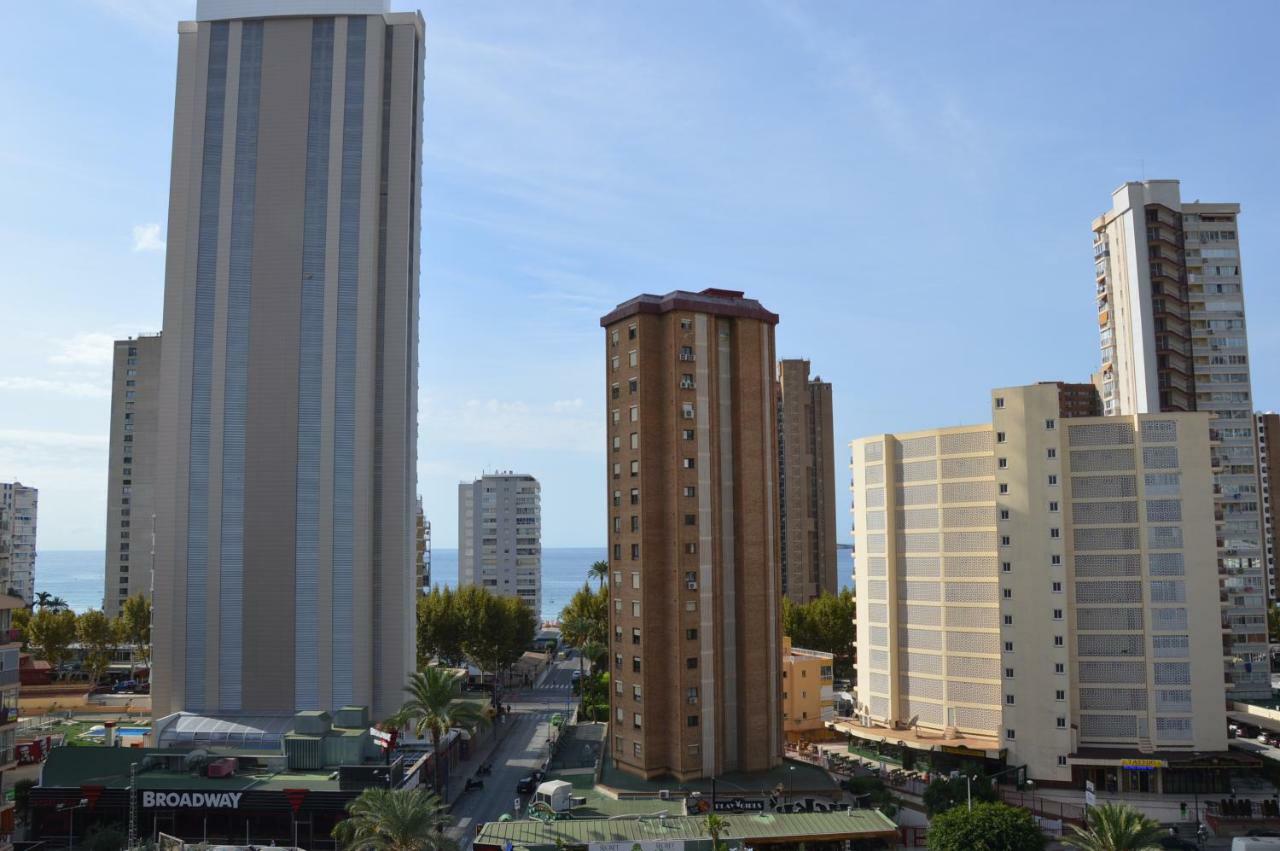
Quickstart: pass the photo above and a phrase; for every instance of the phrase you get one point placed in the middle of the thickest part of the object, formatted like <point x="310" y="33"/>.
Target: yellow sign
<point x="1143" y="763"/>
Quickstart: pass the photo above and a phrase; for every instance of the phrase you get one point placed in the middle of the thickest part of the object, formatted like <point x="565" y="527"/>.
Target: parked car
<point x="526" y="785"/>
<point x="124" y="687"/>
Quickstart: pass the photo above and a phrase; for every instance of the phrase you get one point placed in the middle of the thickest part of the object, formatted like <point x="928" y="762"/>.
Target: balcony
<point x="8" y="715"/>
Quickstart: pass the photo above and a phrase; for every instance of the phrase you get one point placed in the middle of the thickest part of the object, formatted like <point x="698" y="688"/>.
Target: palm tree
<point x="1115" y="827"/>
<point x="576" y="632"/>
<point x="599" y="572"/>
<point x="58" y="603"/>
<point x="42" y="599"/>
<point x="715" y="826"/>
<point x="394" y="820"/>
<point x="434" y="709"/>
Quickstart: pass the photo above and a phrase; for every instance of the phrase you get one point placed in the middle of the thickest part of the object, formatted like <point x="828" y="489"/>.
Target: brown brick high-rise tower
<point x="693" y="533"/>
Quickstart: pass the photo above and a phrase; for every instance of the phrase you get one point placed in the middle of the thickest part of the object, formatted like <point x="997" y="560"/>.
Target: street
<point x="522" y="749"/>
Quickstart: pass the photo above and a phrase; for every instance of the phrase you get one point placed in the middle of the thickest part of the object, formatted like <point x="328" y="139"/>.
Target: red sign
<point x="91" y="794"/>
<point x="296" y="797"/>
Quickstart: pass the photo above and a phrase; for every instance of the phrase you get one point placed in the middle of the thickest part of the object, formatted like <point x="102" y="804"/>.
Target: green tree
<point x="434" y="708"/>
<point x="988" y="827"/>
<point x="98" y="636"/>
<point x="53" y="631"/>
<point x="1115" y="827"/>
<point x="21" y="621"/>
<point x="394" y="820"/>
<point x="135" y="629"/>
<point x="22" y="797"/>
<point x="42" y="599"/>
<point x="599" y="571"/>
<point x="824" y="624"/>
<point x="1273" y="623"/>
<point x="943" y="793"/>
<point x="107" y="837"/>
<point x="441" y="627"/>
<point x="498" y="631"/>
<point x="716" y="826"/>
<point x="593" y="608"/>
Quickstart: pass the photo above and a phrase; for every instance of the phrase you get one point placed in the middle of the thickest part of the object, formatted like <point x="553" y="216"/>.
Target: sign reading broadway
<point x="192" y="800"/>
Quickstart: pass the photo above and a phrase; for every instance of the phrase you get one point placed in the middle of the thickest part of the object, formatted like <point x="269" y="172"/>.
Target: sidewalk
<point x="456" y="780"/>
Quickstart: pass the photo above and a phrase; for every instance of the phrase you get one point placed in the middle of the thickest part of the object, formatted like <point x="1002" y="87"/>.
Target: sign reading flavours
<point x="192" y="800"/>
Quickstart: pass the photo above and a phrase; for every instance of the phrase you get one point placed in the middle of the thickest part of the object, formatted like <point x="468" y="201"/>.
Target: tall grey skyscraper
<point x="1171" y="314"/>
<point x="288" y="407"/>
<point x="500" y="536"/>
<point x="20" y="505"/>
<point x="806" y="483"/>
<point x="131" y="475"/>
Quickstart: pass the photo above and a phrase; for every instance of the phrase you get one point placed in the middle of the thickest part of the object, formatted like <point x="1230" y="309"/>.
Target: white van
<point x="1256" y="843"/>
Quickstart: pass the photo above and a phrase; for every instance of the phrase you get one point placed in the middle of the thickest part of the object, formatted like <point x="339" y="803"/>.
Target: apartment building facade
<point x="806" y="483"/>
<point x="692" y="485"/>
<point x="1043" y="588"/>
<point x="500" y="536"/>
<point x="808" y="692"/>
<point x="131" y="470"/>
<point x="1174" y="338"/>
<point x="1267" y="428"/>
<point x="422" y="542"/>
<point x="288" y="387"/>
<point x="20" y="508"/>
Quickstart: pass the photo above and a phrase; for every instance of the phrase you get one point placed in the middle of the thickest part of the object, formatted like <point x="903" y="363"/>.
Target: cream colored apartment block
<point x="1043" y="585"/>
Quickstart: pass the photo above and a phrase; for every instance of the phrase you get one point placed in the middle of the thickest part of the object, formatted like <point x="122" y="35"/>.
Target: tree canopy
<point x="53" y="631"/>
<point x="394" y="820"/>
<point x="988" y="827"/>
<point x="1115" y="827"/>
<point x="825" y="624"/>
<point x="98" y="636"/>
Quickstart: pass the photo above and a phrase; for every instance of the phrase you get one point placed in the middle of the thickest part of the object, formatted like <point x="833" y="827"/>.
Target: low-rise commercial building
<point x="1042" y="590"/>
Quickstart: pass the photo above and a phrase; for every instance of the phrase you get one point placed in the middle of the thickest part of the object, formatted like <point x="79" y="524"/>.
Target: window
<point x="1062" y="760"/>
<point x="635" y="552"/>
<point x="1008" y="620"/>
<point x="686" y="410"/>
<point x="617" y="686"/>
<point x="686" y="324"/>
<point x="1008" y="699"/>
<point x="635" y="579"/>
<point x="691" y="548"/>
<point x="691" y="520"/>
<point x="635" y="413"/>
<point x="1004" y="488"/>
<point x="1054" y="531"/>
<point x="635" y="749"/>
<point x="1008" y="647"/>
<point x="617" y="661"/>
<point x="635" y="608"/>
<point x="631" y="331"/>
<point x="614" y="392"/>
<point x="617" y="443"/>
<point x="1057" y="587"/>
<point x="1010" y="733"/>
<point x="691" y="662"/>
<point x="1006" y="566"/>
<point x="1053" y="505"/>
<point x="617" y="551"/>
<point x="1060" y="694"/>
<point x="613" y="362"/>
<point x="613" y="336"/>
<point x="1000" y="438"/>
<point x="1051" y="452"/>
<point x="635" y="664"/>
<point x="1050" y="425"/>
<point x="686" y="434"/>
<point x="635" y="635"/>
<point x="635" y="440"/>
<point x="686" y="353"/>
<point x="688" y="463"/>
<point x="1005" y="540"/>
<point x="633" y="358"/>
<point x="1053" y="480"/>
<point x="691" y="634"/>
<point x="1058" y="641"/>
<point x="1008" y="673"/>
<point x="686" y="381"/>
<point x="1057" y="616"/>
<point x="616" y="416"/>
<point x="692" y="721"/>
<point x="636" y="721"/>
<point x="1008" y="593"/>
<point x="617" y="524"/>
<point x="1000" y="404"/>
<point x="617" y="470"/>
<point x="1002" y="463"/>
<point x="690" y="490"/>
<point x="691" y="696"/>
<point x="1059" y="668"/>
<point x="633" y="386"/>
<point x="635" y="496"/>
<point x="1004" y="512"/>
<point x="635" y="468"/>
<point x="1062" y="723"/>
<point x="1055" y="559"/>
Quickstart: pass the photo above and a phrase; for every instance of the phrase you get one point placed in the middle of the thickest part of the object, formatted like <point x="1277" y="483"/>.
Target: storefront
<point x="1168" y="773"/>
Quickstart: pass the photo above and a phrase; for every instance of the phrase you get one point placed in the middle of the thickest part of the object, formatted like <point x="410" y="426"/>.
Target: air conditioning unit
<point x="664" y="794"/>
<point x="693" y="584"/>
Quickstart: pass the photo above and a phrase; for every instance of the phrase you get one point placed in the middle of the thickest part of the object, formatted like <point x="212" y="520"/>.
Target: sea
<point x="77" y="575"/>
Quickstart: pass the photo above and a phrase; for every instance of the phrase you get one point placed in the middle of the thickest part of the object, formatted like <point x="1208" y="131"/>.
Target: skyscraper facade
<point x="288" y="391"/>
<point x="692" y="479"/>
<point x="806" y="489"/>
<point x="131" y="472"/>
<point x="500" y="536"/>
<point x="422" y="537"/>
<point x="21" y="507"/>
<point x="1174" y="338"/>
<point x="1268" y="430"/>
<point x="1036" y="588"/>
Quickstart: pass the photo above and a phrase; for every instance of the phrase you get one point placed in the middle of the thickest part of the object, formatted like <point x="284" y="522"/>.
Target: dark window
<point x="691" y="662"/>
<point x="691" y="634"/>
<point x="693" y="721"/>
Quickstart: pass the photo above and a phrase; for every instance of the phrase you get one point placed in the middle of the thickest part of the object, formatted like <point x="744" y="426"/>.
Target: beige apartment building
<point x="693" y="534"/>
<point x="288" y="388"/>
<point x="500" y="536"/>
<point x="806" y="488"/>
<point x="19" y="516"/>
<point x="131" y="471"/>
<point x="1040" y="591"/>
<point x="808" y="693"/>
<point x="1174" y="338"/>
<point x="1268" y="430"/>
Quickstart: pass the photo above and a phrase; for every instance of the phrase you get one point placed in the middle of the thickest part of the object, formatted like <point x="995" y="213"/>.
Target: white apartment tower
<point x="1042" y="586"/>
<point x="19" y="505"/>
<point x="500" y="536"/>
<point x="1172" y="320"/>
<point x="131" y="471"/>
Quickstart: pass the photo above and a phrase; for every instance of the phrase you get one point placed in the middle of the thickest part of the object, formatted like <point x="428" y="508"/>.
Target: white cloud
<point x="563" y="425"/>
<point x="147" y="238"/>
<point x="92" y="349"/>
<point x="75" y="389"/>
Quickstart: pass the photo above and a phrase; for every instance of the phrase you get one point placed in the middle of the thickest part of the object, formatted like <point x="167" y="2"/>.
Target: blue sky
<point x="909" y="185"/>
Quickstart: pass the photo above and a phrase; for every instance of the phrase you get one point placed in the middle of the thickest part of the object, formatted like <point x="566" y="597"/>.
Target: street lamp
<point x="71" y="816"/>
<point x="791" y="774"/>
